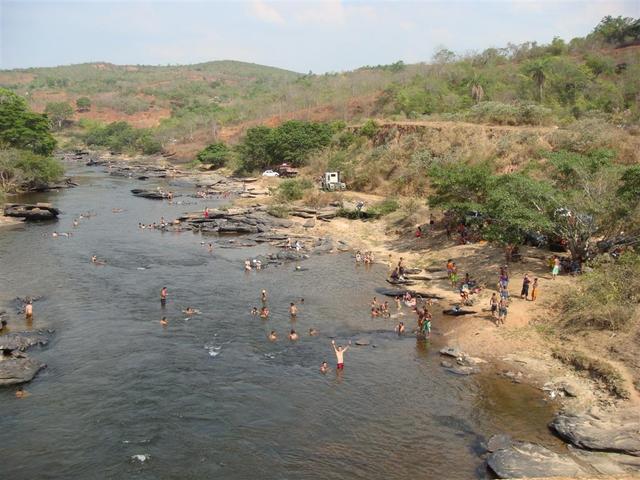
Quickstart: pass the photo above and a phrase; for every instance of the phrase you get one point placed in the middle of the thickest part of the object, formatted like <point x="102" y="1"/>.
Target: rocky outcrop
<point x="528" y="460"/>
<point x="151" y="194"/>
<point x="617" y="431"/>
<point x="18" y="368"/>
<point x="39" y="211"/>
<point x="23" y="340"/>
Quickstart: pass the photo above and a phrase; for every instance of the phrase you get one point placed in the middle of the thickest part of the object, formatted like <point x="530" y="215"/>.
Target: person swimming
<point x="293" y="335"/>
<point x="75" y="222"/>
<point x="20" y="393"/>
<point x="163" y="296"/>
<point x="254" y="311"/>
<point x="400" y="328"/>
<point x="263" y="296"/>
<point x="264" y="312"/>
<point x="273" y="336"/>
<point x="324" y="367"/>
<point x="293" y="310"/>
<point x="190" y="311"/>
<point x="313" y="332"/>
<point x="164" y="322"/>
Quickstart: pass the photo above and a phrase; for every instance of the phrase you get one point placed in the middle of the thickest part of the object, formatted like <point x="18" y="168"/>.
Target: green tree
<point x="83" y="104"/>
<point x="21" y="128"/>
<point x="618" y="30"/>
<point x="537" y="69"/>
<point x="59" y="113"/>
<point x="215" y="154"/>
<point x="24" y="170"/>
<point x="254" y="149"/>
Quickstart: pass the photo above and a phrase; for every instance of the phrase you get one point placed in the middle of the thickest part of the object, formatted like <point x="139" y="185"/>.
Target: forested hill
<point x="556" y="83"/>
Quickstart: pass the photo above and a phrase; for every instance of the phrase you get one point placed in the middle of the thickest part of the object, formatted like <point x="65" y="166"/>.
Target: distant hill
<point x="189" y="106"/>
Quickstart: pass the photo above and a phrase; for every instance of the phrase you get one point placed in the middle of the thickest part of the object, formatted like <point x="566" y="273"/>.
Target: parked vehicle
<point x="270" y="173"/>
<point x="332" y="181"/>
<point x="286" y="170"/>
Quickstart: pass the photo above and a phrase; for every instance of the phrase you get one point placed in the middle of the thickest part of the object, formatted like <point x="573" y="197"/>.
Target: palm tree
<point x="477" y="92"/>
<point x="537" y="70"/>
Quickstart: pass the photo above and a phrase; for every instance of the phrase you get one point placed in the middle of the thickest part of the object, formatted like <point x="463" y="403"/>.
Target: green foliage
<point x="385" y="207"/>
<point x="215" y="154"/>
<point x="617" y="30"/>
<point x="369" y="128"/>
<point x="83" y="104"/>
<point x="293" y="189"/>
<point x="23" y="170"/>
<point x="21" y="128"/>
<point x="505" y="114"/>
<point x="120" y="136"/>
<point x="629" y="190"/>
<point x="59" y="113"/>
<point x="292" y="142"/>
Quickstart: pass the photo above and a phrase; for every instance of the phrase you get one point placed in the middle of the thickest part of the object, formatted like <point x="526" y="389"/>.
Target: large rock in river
<point x="527" y="460"/>
<point x="18" y="368"/>
<point x="617" y="431"/>
<point x="22" y="340"/>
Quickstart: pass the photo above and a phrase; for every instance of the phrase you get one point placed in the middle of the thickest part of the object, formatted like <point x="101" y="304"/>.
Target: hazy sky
<point x="329" y="35"/>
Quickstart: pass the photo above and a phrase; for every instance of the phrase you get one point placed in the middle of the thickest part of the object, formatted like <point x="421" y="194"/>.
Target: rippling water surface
<point x="209" y="396"/>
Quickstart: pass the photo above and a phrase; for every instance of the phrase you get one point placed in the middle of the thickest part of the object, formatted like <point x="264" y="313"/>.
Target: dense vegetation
<point x="25" y="146"/>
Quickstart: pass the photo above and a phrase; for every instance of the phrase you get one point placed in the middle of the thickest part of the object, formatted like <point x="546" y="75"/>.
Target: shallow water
<point x="209" y="395"/>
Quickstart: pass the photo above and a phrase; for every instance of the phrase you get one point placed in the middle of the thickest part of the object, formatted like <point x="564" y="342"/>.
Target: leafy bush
<point x="293" y="189"/>
<point x="21" y="128"/>
<point x="369" y="129"/>
<point x="83" y="104"/>
<point x="605" y="298"/>
<point x="385" y="207"/>
<point x="23" y="170"/>
<point x="506" y="114"/>
<point x="120" y="136"/>
<point x="215" y="154"/>
<point x="278" y="210"/>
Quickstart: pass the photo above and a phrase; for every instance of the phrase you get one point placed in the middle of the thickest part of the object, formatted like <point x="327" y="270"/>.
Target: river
<point x="209" y="396"/>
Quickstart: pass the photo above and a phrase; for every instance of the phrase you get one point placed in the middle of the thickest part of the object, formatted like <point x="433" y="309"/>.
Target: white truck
<point x="331" y="181"/>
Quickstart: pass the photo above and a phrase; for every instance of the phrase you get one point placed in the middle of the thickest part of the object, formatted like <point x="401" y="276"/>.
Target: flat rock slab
<point x="452" y="352"/>
<point x="362" y="342"/>
<point x="18" y="369"/>
<point x="605" y="463"/>
<point x="618" y="431"/>
<point x="499" y="442"/>
<point x="527" y="460"/>
<point x="22" y="340"/>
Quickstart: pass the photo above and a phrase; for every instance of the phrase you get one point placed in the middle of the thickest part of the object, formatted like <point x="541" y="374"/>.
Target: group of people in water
<point x="365" y="257"/>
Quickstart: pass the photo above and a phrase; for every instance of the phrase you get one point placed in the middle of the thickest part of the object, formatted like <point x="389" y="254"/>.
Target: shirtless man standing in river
<point x="28" y="311"/>
<point x="163" y="296"/>
<point x="339" y="354"/>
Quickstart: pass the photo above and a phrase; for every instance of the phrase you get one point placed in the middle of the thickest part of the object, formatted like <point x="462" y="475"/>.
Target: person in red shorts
<point x="339" y="354"/>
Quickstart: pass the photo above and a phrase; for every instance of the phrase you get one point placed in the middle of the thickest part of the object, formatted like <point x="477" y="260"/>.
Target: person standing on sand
<point x="502" y="312"/>
<point x="493" y="303"/>
<point x="339" y="351"/>
<point x="534" y="289"/>
<point x="556" y="268"/>
<point x="524" y="293"/>
<point x="163" y="297"/>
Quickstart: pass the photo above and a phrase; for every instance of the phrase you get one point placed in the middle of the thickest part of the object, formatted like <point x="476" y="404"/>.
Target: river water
<point x="209" y="396"/>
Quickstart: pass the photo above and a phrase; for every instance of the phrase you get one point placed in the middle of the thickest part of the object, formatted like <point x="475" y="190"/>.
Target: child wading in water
<point x="339" y="354"/>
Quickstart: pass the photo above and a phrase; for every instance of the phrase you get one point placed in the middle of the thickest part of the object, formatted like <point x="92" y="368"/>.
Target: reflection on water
<point x="208" y="395"/>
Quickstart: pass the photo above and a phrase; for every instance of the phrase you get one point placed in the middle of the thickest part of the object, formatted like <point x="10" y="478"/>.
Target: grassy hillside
<point x="188" y="107"/>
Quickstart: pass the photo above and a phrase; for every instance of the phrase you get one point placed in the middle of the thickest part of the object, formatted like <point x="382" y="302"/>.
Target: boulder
<point x="617" y="431"/>
<point x="39" y="211"/>
<point x="605" y="463"/>
<point x="151" y="194"/>
<point x="452" y="352"/>
<point x="22" y="340"/>
<point x="362" y="342"/>
<point x="524" y="460"/>
<point x="309" y="223"/>
<point x="18" y="368"/>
